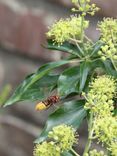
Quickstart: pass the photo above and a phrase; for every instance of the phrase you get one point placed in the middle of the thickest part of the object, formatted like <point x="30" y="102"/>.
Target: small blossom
<point x="46" y="149"/>
<point x="100" y="102"/>
<point x="85" y="7"/>
<point x="106" y="129"/>
<point x="108" y="31"/>
<point x="64" y="135"/>
<point x="113" y="148"/>
<point x="96" y="153"/>
<point x="99" y="98"/>
<point x="64" y="30"/>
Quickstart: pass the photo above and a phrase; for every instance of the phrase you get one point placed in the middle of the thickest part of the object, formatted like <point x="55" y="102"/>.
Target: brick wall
<point x="23" y="23"/>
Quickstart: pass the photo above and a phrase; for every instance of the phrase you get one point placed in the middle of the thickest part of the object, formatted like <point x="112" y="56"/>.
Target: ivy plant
<point x="85" y="87"/>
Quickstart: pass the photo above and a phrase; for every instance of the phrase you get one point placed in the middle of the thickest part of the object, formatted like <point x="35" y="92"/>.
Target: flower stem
<point x="77" y="44"/>
<point x="74" y="152"/>
<point x="88" y="39"/>
<point x="90" y="134"/>
<point x="82" y="32"/>
<point x="4" y="94"/>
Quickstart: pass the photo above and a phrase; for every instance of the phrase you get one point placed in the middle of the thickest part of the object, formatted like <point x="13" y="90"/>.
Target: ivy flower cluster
<point x="94" y="152"/>
<point x="113" y="148"/>
<point x="63" y="137"/>
<point x="108" y="31"/>
<point x="106" y="129"/>
<point x="99" y="98"/>
<point x="46" y="149"/>
<point x="85" y="7"/>
<point x="67" y="29"/>
<point x="100" y="102"/>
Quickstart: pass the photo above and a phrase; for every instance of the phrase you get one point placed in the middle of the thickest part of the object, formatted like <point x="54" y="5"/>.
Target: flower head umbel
<point x="46" y="149"/>
<point x="108" y="31"/>
<point x="113" y="148"/>
<point x="100" y="103"/>
<point x="64" y="135"/>
<point x="94" y="152"/>
<point x="85" y="7"/>
<point x="64" y="30"/>
<point x="105" y="129"/>
<point x="100" y="96"/>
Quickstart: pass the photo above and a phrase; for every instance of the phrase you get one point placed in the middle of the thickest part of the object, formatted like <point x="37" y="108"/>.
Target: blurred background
<point x="23" y="24"/>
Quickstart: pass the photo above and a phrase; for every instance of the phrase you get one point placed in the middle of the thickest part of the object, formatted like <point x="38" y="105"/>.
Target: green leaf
<point x="65" y="47"/>
<point x="105" y="65"/>
<point x="68" y="81"/>
<point x="97" y="64"/>
<point x="85" y="68"/>
<point x="28" y="89"/>
<point x="109" y="68"/>
<point x="115" y="112"/>
<point x="97" y="46"/>
<point x="66" y="154"/>
<point x="47" y="80"/>
<point x="71" y="113"/>
<point x="41" y="89"/>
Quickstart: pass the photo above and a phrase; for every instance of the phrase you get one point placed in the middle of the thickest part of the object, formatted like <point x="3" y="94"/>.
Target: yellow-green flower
<point x="46" y="149"/>
<point x="100" y="102"/>
<point x="108" y="31"/>
<point x="100" y="96"/>
<point x="64" y="30"/>
<point x="85" y="7"/>
<point x="94" y="152"/>
<point x="113" y="148"/>
<point x="105" y="129"/>
<point x="64" y="135"/>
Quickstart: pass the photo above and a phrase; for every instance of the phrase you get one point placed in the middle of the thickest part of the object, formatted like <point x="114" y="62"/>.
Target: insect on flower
<point x="47" y="103"/>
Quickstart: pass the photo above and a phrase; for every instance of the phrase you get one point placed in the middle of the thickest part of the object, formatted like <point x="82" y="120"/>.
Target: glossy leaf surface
<point x="65" y="47"/>
<point x="68" y="81"/>
<point x="71" y="113"/>
<point x="28" y="89"/>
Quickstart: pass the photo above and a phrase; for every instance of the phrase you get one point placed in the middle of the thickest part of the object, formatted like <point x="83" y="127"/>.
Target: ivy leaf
<point x="65" y="47"/>
<point x="85" y="68"/>
<point x="28" y="88"/>
<point x="68" y="81"/>
<point x="66" y="154"/>
<point x="109" y="68"/>
<point x="97" y="46"/>
<point x="71" y="113"/>
<point x="105" y="65"/>
<point x="115" y="112"/>
<point x="41" y="89"/>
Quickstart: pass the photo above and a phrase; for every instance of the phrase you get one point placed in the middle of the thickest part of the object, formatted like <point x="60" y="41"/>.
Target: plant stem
<point x="76" y="61"/>
<point x="74" y="152"/>
<point x="90" y="134"/>
<point x="4" y="94"/>
<point x="82" y="33"/>
<point x="88" y="39"/>
<point x="77" y="44"/>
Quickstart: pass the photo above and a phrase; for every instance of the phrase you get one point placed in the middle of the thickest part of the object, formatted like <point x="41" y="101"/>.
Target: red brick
<point x="23" y="32"/>
<point x="1" y="73"/>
